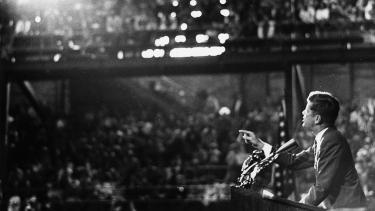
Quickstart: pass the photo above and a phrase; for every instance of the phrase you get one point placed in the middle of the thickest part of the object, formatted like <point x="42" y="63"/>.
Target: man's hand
<point x="251" y="138"/>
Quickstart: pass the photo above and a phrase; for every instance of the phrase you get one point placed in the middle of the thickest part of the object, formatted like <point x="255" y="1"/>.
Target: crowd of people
<point x="261" y="19"/>
<point x="103" y="28"/>
<point x="113" y="16"/>
<point x="102" y="154"/>
<point x="361" y="130"/>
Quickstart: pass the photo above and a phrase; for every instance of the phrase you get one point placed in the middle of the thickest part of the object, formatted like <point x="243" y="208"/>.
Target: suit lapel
<point x="317" y="151"/>
<point x="315" y="156"/>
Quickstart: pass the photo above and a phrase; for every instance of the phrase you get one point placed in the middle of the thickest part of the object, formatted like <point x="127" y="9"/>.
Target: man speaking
<point x="336" y="180"/>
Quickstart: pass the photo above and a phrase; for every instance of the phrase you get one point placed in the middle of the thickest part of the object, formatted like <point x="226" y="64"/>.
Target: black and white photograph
<point x="187" y="105"/>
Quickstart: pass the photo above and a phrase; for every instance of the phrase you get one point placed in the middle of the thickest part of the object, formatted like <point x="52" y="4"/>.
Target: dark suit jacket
<point x="336" y="179"/>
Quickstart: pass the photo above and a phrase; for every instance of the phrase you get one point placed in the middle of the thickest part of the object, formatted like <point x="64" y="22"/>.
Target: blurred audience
<point x="102" y="154"/>
<point x="92" y="155"/>
<point x="99" y="29"/>
<point x="262" y="19"/>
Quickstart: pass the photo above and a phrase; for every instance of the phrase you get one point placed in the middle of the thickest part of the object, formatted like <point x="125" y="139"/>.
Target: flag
<point x="283" y="178"/>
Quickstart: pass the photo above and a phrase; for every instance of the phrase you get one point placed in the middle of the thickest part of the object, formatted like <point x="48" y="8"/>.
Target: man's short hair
<point x="324" y="104"/>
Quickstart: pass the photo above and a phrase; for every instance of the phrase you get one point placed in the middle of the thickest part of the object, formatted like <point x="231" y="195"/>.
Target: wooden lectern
<point x="248" y="200"/>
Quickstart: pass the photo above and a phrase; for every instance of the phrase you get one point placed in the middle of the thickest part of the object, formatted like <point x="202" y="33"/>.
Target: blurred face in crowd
<point x="308" y="120"/>
<point x="14" y="203"/>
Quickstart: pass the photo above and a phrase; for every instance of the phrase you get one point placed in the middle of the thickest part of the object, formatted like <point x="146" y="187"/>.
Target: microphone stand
<point x="256" y="167"/>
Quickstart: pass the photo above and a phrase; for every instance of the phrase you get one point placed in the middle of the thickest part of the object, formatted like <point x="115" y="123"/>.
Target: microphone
<point x="287" y="146"/>
<point x="266" y="193"/>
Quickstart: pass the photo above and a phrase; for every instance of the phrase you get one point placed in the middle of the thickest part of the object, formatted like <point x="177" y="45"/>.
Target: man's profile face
<point x="308" y="120"/>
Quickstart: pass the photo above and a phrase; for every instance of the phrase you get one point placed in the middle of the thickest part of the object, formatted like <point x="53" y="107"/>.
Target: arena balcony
<point x="131" y="45"/>
<point x="151" y="52"/>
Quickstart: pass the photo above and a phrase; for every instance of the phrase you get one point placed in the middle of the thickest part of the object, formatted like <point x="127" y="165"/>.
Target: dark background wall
<point x="350" y="82"/>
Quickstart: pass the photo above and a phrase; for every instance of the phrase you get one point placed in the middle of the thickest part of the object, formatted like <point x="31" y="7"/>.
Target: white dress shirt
<point x="319" y="140"/>
<point x="267" y="148"/>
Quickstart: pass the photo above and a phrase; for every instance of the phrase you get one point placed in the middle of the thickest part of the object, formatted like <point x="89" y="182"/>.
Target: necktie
<point x="315" y="155"/>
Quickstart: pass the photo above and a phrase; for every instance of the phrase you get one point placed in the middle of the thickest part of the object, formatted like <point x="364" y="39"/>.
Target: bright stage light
<point x="183" y="26"/>
<point x="193" y="3"/>
<point x="162" y="41"/>
<point x="216" y="50"/>
<point x="173" y="14"/>
<point x="196" y="13"/>
<point x="348" y="46"/>
<point x="38" y="19"/>
<point x="223" y="1"/>
<point x="223" y="37"/>
<point x="201" y="38"/>
<point x="57" y="57"/>
<point x="149" y="53"/>
<point x="73" y="46"/>
<point x="120" y="55"/>
<point x="158" y="53"/>
<point x="224" y="12"/>
<point x="197" y="51"/>
<point x="180" y="38"/>
<point x="175" y="3"/>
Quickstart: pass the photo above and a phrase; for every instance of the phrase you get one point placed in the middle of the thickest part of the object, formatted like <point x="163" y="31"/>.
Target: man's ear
<point x="318" y="119"/>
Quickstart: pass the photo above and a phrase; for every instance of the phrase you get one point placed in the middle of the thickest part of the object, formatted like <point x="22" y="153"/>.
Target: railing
<point x="115" y="46"/>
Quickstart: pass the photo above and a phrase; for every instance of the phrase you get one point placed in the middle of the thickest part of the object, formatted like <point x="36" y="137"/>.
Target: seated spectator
<point x="14" y="203"/>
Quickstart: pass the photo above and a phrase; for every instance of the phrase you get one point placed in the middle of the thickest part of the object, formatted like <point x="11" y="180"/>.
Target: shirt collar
<point x="319" y="136"/>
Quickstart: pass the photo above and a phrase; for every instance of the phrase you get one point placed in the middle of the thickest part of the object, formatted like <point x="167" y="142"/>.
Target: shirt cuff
<point x="267" y="148"/>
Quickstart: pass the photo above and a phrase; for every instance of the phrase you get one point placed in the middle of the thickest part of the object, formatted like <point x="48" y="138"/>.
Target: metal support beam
<point x="290" y="112"/>
<point x="299" y="93"/>
<point x="288" y="94"/>
<point x="250" y="62"/>
<point x="4" y="107"/>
